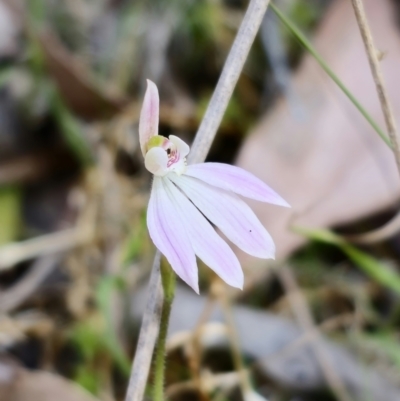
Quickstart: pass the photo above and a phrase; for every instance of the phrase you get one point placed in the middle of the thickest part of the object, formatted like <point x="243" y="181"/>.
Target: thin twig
<point x="47" y="244"/>
<point x="201" y="145"/>
<point x="378" y="77"/>
<point x="148" y="334"/>
<point x="228" y="79"/>
<point x="306" y="321"/>
<point x="17" y="294"/>
<point x="213" y="382"/>
<point x="393" y="226"/>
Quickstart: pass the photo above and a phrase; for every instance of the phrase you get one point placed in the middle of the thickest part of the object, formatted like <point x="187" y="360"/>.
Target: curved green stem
<point x="168" y="281"/>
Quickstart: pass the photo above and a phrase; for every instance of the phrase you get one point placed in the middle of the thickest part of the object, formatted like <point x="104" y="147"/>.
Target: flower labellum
<point x="185" y="199"/>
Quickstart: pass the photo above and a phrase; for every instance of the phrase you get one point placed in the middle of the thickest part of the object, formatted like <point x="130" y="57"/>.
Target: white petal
<point x="169" y="235"/>
<point x="181" y="146"/>
<point x="237" y="180"/>
<point x="230" y="214"/>
<point x="156" y="160"/>
<point x="149" y="115"/>
<point x="207" y="244"/>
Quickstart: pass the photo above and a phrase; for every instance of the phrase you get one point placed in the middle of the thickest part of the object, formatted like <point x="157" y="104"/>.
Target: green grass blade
<point x="10" y="213"/>
<point x="104" y="292"/>
<point x="71" y="129"/>
<point x="310" y="48"/>
<point x="377" y="270"/>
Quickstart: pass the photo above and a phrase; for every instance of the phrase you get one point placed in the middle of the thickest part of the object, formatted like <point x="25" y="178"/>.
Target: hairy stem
<point x="168" y="281"/>
<point x="201" y="145"/>
<point x="159" y="376"/>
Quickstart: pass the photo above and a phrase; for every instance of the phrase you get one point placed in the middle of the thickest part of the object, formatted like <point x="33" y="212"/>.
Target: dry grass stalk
<point x="393" y="226"/>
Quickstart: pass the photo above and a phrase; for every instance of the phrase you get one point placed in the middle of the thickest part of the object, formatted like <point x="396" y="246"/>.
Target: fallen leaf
<point x="17" y="384"/>
<point x="327" y="162"/>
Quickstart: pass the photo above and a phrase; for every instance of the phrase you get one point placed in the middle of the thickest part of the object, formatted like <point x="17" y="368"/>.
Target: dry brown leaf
<point x="17" y="384"/>
<point x="328" y="163"/>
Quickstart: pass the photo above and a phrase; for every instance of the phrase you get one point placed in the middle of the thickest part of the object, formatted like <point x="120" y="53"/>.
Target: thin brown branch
<point x="18" y="293"/>
<point x="202" y="143"/>
<point x="378" y="77"/>
<point x="393" y="226"/>
<point x="47" y="244"/>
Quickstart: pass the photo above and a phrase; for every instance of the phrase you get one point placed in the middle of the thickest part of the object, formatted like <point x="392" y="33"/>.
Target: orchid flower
<point x="185" y="200"/>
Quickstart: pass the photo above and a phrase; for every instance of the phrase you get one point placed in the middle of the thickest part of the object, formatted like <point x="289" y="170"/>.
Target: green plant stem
<point x="159" y="373"/>
<point x="305" y="42"/>
<point x="168" y="281"/>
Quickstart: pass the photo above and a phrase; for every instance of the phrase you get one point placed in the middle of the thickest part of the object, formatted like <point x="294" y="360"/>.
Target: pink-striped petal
<point x="182" y="147"/>
<point x="230" y="214"/>
<point x="207" y="244"/>
<point x="170" y="236"/>
<point x="149" y="115"/>
<point x="237" y="180"/>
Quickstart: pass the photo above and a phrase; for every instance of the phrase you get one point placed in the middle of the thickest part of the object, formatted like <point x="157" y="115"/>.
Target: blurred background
<point x="321" y="323"/>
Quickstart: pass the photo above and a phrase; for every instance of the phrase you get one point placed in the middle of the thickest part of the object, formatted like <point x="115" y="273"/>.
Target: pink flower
<point x="185" y="200"/>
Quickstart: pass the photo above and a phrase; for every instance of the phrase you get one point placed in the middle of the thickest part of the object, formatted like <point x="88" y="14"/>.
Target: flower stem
<point x="168" y="281"/>
<point x="200" y="147"/>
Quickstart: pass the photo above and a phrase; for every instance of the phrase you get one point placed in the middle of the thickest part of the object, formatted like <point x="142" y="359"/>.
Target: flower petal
<point x="156" y="160"/>
<point x="170" y="236"/>
<point x="237" y="180"/>
<point x="149" y="115"/>
<point x="230" y="214"/>
<point x="207" y="244"/>
<point x="182" y="147"/>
